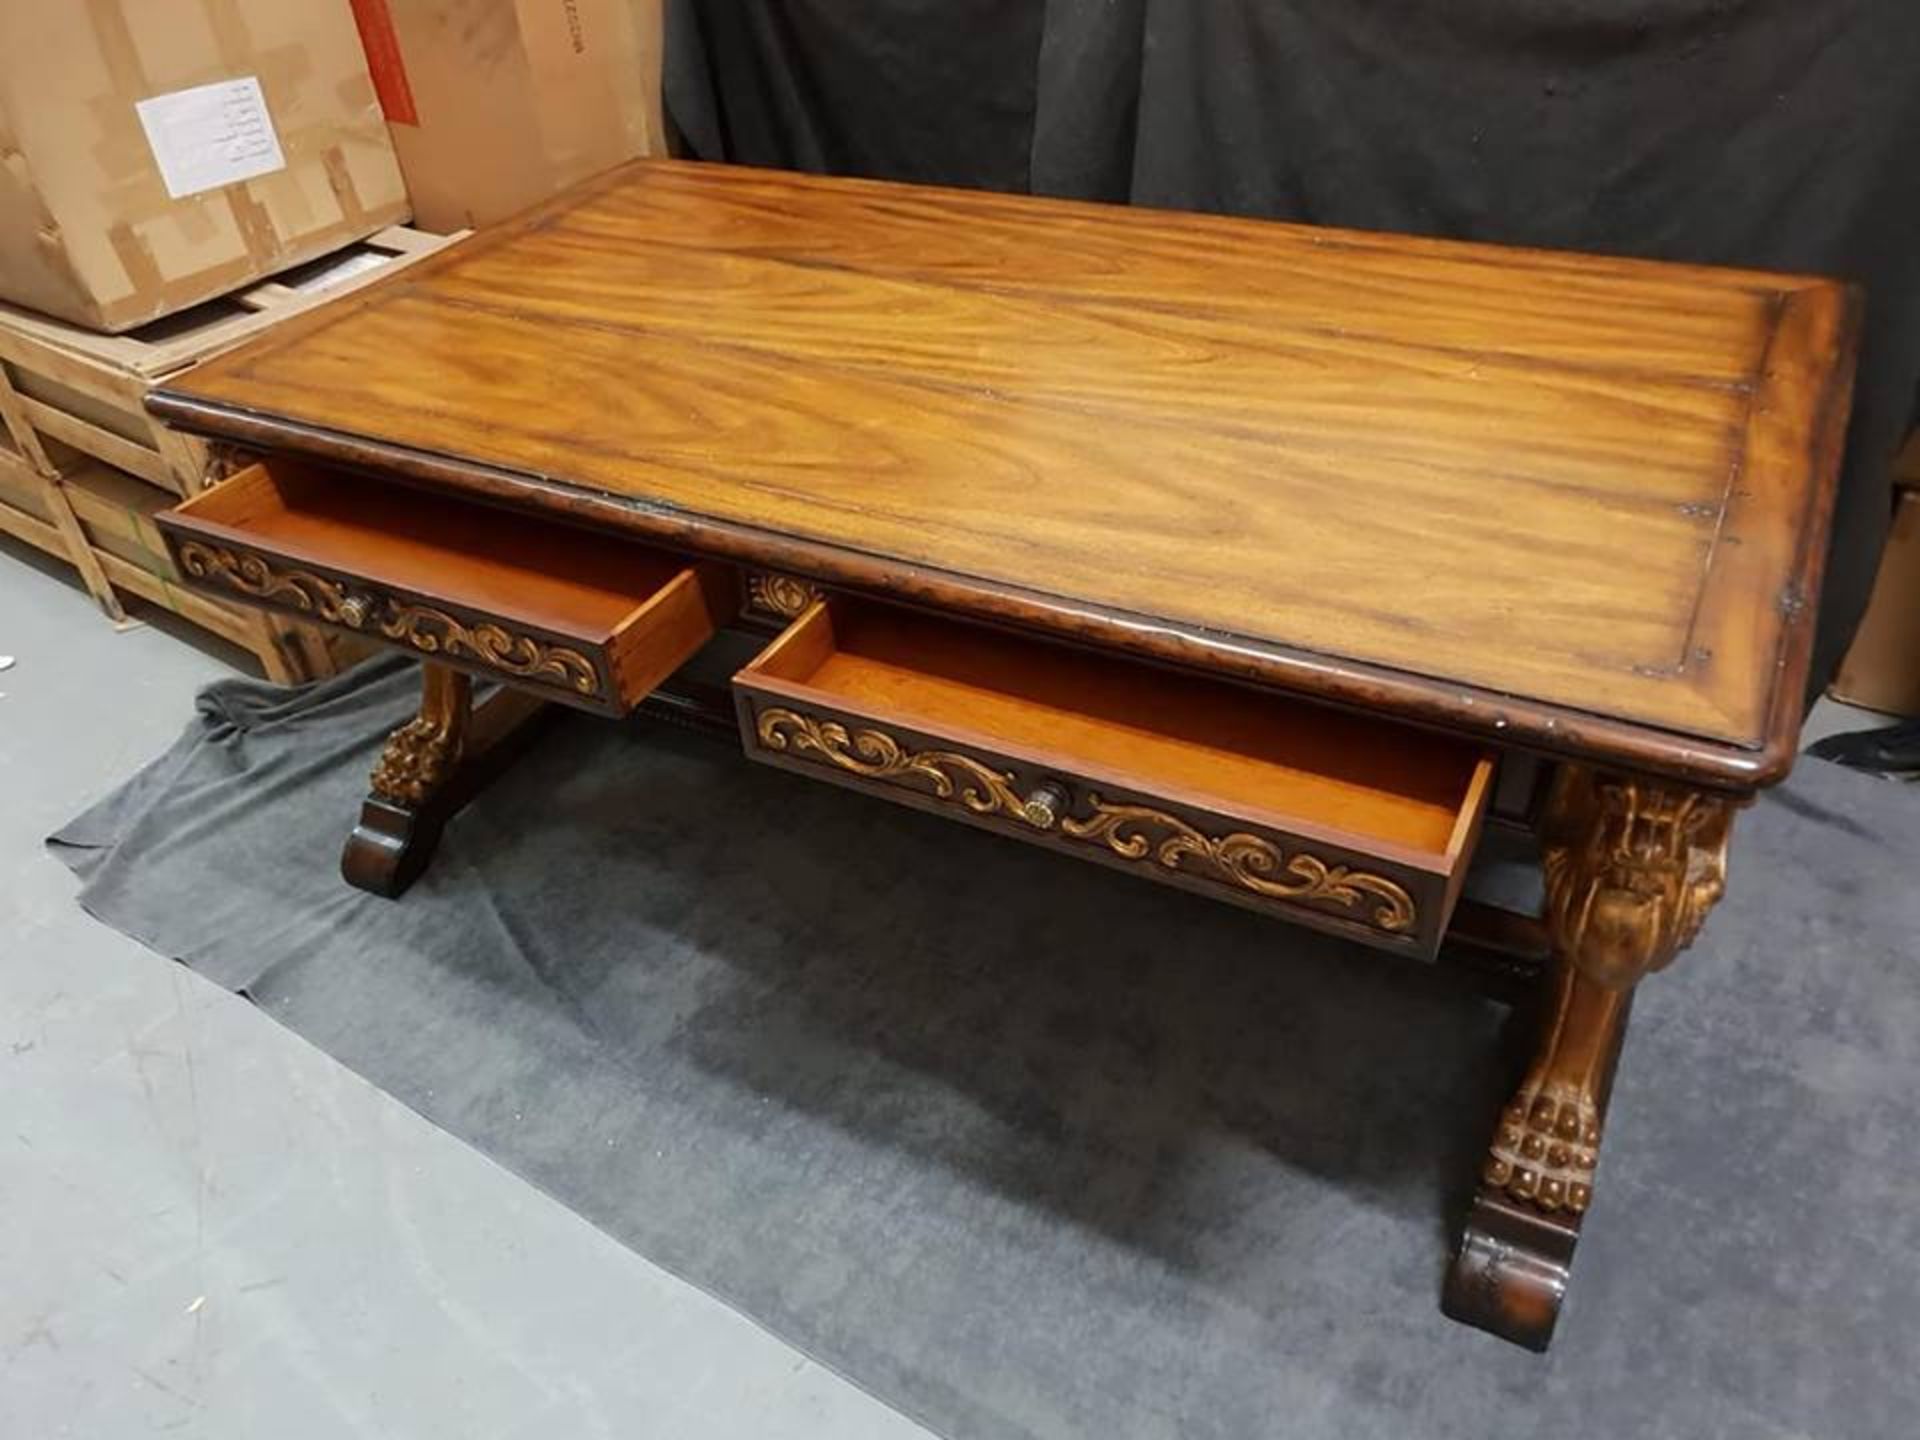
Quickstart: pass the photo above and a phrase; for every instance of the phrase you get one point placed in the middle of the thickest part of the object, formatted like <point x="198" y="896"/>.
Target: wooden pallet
<point x="87" y="391"/>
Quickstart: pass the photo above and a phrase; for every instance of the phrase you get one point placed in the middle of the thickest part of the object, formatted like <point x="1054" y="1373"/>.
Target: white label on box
<point x="342" y="270"/>
<point x="211" y="135"/>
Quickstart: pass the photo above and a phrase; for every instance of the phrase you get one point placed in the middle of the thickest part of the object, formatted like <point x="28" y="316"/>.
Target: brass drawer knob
<point x="1043" y="808"/>
<point x="355" y="611"/>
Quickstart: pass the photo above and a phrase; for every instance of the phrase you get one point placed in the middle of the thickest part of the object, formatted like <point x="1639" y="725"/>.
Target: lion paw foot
<point x="1546" y="1148"/>
<point x="416" y="762"/>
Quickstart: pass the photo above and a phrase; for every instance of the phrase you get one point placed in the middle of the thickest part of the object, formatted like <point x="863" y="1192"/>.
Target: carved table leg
<point x="1632" y="867"/>
<point x="431" y="767"/>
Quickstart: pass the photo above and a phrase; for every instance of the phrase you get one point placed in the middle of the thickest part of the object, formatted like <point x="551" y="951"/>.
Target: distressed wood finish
<point x="1326" y="460"/>
<point x="771" y="601"/>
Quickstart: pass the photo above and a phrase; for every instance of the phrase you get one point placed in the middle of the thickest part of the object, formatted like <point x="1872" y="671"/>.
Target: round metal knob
<point x="1043" y="808"/>
<point x="354" y="611"/>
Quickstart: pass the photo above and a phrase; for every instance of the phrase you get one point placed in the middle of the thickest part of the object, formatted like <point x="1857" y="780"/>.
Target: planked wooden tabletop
<point x="1581" y="498"/>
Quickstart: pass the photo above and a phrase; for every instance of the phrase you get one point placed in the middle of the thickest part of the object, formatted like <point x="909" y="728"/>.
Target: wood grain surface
<point x="1478" y="485"/>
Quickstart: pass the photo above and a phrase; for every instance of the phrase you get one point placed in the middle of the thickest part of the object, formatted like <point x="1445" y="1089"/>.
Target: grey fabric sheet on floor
<point x="1030" y="1149"/>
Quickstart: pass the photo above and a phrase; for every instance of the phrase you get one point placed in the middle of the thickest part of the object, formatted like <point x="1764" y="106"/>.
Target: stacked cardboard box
<point x="182" y="174"/>
<point x="1882" y="670"/>
<point x="163" y="152"/>
<point x="494" y="105"/>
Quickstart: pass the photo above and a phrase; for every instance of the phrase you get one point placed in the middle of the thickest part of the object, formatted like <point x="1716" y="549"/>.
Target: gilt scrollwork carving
<point x="223" y="461"/>
<point x="784" y="597"/>
<point x="1132" y="832"/>
<point x="1136" y="832"/>
<point x="250" y="574"/>
<point x="434" y="632"/>
<point x="877" y="755"/>
<point x="423" y="628"/>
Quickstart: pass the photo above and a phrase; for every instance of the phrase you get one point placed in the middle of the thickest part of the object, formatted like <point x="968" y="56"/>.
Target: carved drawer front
<point x="1352" y="825"/>
<point x="586" y="619"/>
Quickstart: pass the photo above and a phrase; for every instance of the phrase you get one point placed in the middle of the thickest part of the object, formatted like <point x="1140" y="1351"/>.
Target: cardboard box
<point x="1906" y="469"/>
<point x="1882" y="670"/>
<point x="65" y="386"/>
<point x="494" y="105"/>
<point x="157" y="153"/>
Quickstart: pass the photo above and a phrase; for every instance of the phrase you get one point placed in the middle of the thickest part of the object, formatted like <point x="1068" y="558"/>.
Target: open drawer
<point x="1354" y="825"/>
<point x="587" y="619"/>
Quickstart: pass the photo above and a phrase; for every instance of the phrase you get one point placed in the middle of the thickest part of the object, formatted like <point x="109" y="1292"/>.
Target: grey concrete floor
<point x="210" y="1229"/>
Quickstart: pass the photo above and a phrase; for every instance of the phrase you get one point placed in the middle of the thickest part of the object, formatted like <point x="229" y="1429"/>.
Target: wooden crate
<point x="115" y="512"/>
<point x="83" y="466"/>
<point x="22" y="487"/>
<point x="26" y="507"/>
<point x="33" y="505"/>
<point x="100" y="521"/>
<point x="84" y="390"/>
<point x="116" y="515"/>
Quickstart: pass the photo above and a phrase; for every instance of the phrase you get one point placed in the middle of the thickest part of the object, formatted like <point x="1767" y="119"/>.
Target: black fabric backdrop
<point x="1783" y="134"/>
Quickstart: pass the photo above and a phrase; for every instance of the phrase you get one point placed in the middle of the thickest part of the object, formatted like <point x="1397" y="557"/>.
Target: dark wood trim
<point x="1833" y="411"/>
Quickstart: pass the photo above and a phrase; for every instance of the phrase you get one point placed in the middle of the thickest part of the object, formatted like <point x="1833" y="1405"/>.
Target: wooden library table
<point x="1246" y="557"/>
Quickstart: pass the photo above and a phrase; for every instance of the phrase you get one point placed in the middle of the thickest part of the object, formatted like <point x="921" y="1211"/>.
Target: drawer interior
<point x="568" y="581"/>
<point x="1269" y="760"/>
<point x="588" y="619"/>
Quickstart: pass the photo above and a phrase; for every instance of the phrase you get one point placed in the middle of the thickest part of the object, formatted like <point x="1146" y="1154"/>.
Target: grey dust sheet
<point x="1030" y="1149"/>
